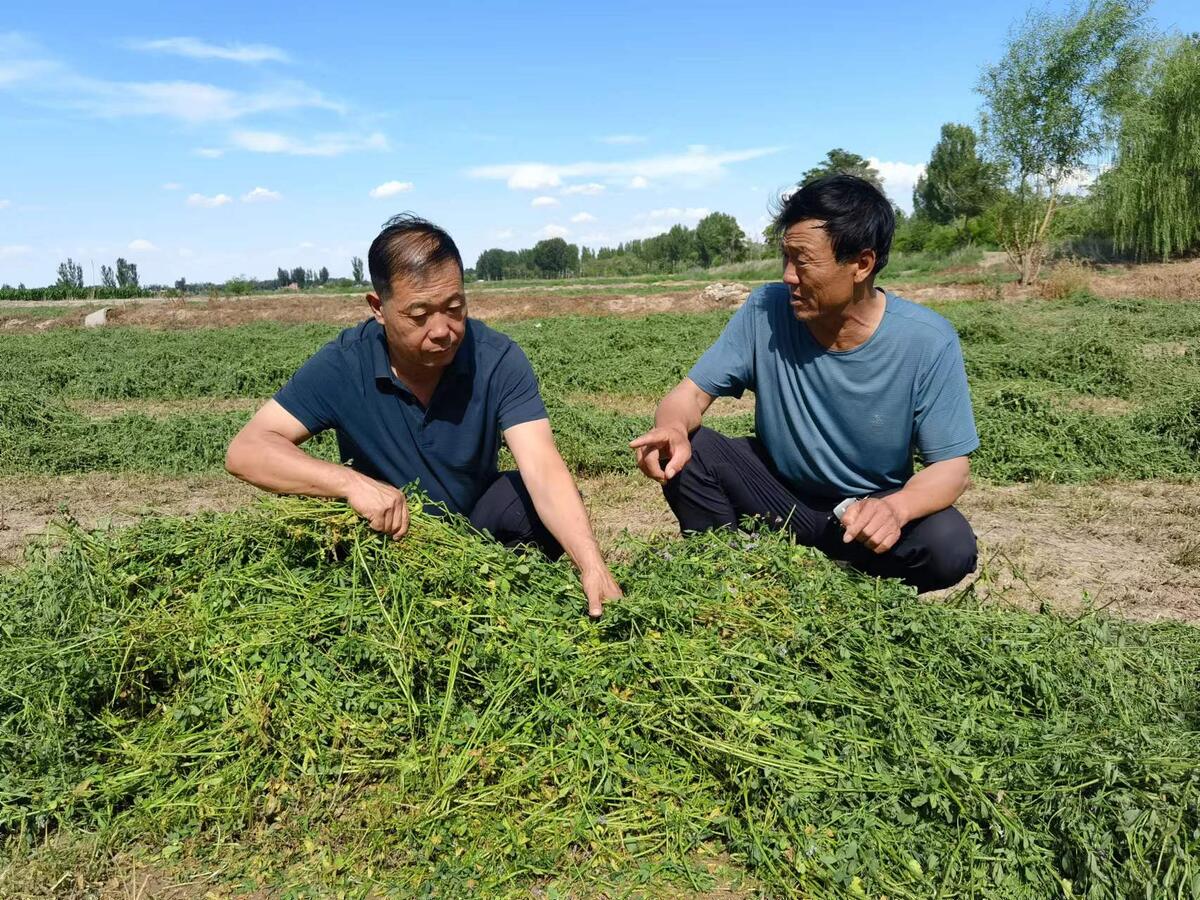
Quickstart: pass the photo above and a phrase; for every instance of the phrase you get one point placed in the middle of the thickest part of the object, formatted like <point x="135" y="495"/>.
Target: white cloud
<point x="9" y="250"/>
<point x="189" y="101"/>
<point x="142" y="245"/>
<point x="543" y="201"/>
<point x="208" y="202"/>
<point x="899" y="179"/>
<point x="209" y="152"/>
<point x="198" y="49"/>
<point x="581" y="217"/>
<point x="334" y="144"/>
<point x="504" y="234"/>
<point x="623" y="139"/>
<point x="172" y="186"/>
<point x="639" y="182"/>
<point x="261" y="195"/>
<point x="554" y="231"/>
<point x="677" y="214"/>
<point x="391" y="189"/>
<point x="26" y="66"/>
<point x="697" y="162"/>
<point x="590" y="189"/>
<point x="5" y="204"/>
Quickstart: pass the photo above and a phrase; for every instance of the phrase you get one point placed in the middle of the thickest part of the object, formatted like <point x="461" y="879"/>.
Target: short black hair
<point x="856" y="214"/>
<point x="408" y="247"/>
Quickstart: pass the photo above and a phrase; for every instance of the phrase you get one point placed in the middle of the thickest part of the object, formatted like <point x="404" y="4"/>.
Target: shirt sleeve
<point x="726" y="369"/>
<point x="312" y="394"/>
<point x="519" y="399"/>
<point x="945" y="424"/>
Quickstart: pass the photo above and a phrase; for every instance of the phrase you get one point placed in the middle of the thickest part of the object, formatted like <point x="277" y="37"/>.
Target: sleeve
<point x="944" y="423"/>
<point x="519" y="400"/>
<point x="726" y="369"/>
<point x="312" y="394"/>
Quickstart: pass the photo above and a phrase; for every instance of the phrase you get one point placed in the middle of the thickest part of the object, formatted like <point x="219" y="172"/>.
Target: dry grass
<point x="1065" y="279"/>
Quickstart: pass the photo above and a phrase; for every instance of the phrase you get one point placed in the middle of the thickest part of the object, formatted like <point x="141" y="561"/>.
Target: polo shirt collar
<point x="462" y="365"/>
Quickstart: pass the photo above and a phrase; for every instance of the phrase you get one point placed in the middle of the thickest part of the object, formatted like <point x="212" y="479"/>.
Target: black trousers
<point x="729" y="478"/>
<point x="506" y="512"/>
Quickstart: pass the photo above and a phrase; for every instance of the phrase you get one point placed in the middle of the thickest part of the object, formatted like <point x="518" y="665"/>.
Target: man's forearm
<point x="275" y="464"/>
<point x="931" y="490"/>
<point x="679" y="409"/>
<point x="561" y="510"/>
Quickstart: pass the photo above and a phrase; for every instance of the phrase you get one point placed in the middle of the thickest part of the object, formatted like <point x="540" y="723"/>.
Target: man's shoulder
<point x="920" y="322"/>
<point x="770" y="296"/>
<point x="491" y="347"/>
<point x="353" y="340"/>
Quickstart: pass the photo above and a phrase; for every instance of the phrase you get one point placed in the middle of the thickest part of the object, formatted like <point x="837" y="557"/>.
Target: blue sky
<point x="216" y="139"/>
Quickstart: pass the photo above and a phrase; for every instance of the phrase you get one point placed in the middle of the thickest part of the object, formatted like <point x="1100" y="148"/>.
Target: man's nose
<point x="439" y="328"/>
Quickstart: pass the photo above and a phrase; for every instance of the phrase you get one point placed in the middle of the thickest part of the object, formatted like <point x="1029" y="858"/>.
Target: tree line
<point x="716" y="239"/>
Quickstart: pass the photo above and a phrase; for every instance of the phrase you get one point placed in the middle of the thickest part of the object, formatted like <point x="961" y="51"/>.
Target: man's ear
<point x="864" y="266"/>
<point x="376" y="305"/>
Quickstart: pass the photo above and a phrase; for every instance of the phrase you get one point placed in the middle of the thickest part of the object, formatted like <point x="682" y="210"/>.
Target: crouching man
<point x="848" y="380"/>
<point x="420" y="392"/>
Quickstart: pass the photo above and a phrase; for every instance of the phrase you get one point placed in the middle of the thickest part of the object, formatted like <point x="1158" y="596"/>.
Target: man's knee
<point x="952" y="550"/>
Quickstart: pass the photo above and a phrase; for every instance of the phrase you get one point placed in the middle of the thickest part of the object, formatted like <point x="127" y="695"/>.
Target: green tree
<point x="1152" y="194"/>
<point x="678" y="246"/>
<point x="957" y="183"/>
<point x="70" y="274"/>
<point x="356" y="269"/>
<point x="181" y="285"/>
<point x="553" y="257"/>
<point x="323" y="275"/>
<point x="719" y="239"/>
<point x="490" y="265"/>
<point x="1049" y="108"/>
<point x="107" y="278"/>
<point x="839" y="161"/>
<point x="299" y="276"/>
<point x="127" y="273"/>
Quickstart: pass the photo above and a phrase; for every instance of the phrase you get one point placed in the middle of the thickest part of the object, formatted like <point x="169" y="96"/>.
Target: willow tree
<point x="1152" y="194"/>
<point x="1050" y="108"/>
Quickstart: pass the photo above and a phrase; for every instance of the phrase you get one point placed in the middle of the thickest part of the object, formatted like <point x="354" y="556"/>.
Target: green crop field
<point x="1065" y="391"/>
<point x="282" y="700"/>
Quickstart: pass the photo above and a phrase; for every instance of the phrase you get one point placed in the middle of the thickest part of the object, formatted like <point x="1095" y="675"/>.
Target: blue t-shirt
<point x="845" y="423"/>
<point x="451" y="447"/>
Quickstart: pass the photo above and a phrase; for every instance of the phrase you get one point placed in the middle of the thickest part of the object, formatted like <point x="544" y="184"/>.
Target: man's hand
<point x="873" y="522"/>
<point x="598" y="586"/>
<point x="383" y="506"/>
<point x="658" y="442"/>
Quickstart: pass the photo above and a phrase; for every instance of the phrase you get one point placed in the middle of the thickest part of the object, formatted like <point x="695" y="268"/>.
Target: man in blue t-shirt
<point x="849" y="380"/>
<point x="420" y="393"/>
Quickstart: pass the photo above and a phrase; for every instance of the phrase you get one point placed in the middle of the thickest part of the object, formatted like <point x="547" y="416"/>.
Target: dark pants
<point x="729" y="478"/>
<point x="506" y="512"/>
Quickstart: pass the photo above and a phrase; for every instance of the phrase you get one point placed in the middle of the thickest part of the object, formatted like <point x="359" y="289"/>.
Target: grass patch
<point x="281" y="686"/>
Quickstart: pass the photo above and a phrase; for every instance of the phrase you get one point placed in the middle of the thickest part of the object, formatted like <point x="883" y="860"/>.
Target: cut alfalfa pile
<point x="280" y="682"/>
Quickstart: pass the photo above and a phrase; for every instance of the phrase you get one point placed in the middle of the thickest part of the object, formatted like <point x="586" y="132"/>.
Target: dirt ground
<point x="1175" y="280"/>
<point x="1128" y="547"/>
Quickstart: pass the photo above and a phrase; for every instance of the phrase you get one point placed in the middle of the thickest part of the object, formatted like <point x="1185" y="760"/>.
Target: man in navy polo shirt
<point x="848" y="380"/>
<point x="422" y="393"/>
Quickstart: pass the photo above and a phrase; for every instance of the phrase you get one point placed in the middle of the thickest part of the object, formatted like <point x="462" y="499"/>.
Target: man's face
<point x="425" y="319"/>
<point x="820" y="285"/>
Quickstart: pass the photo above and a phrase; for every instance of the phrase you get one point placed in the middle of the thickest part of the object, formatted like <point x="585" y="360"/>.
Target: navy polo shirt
<point x="383" y="431"/>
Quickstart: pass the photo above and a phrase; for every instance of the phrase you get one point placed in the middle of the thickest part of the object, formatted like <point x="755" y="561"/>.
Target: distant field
<point x="1065" y="391"/>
